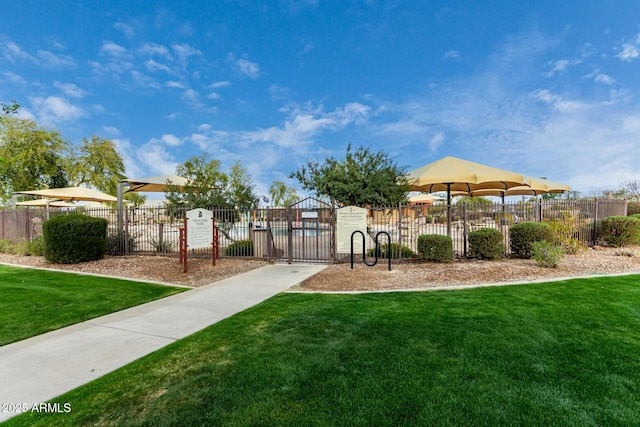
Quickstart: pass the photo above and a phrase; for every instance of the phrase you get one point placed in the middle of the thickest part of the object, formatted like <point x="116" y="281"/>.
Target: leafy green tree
<point x="363" y="177"/>
<point x="34" y="157"/>
<point x="209" y="186"/>
<point x="281" y="195"/>
<point x="241" y="187"/>
<point x="98" y="164"/>
<point x="135" y="198"/>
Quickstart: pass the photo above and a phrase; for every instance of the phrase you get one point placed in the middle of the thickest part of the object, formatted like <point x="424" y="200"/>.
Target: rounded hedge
<point x="392" y="250"/>
<point x="74" y="238"/>
<point x="522" y="236"/>
<point x="435" y="247"/>
<point x="240" y="248"/>
<point x="620" y="230"/>
<point x="486" y="243"/>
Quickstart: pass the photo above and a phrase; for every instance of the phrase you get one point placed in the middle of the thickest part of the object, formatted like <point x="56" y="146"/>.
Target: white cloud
<point x="54" y="109"/>
<point x="217" y="85"/>
<point x="561" y="66"/>
<point x="13" y="78"/>
<point x="113" y="50"/>
<point x="156" y="159"/>
<point x="125" y="29"/>
<point x="154" y="66"/>
<point x="603" y="78"/>
<point x="153" y="49"/>
<point x="51" y="60"/>
<point x="12" y="51"/>
<point x="128" y="154"/>
<point x="171" y="140"/>
<point x="436" y="141"/>
<point x="628" y="53"/>
<point x="70" y="90"/>
<point x="111" y="131"/>
<point x="248" y="68"/>
<point x="183" y="52"/>
<point x="452" y="54"/>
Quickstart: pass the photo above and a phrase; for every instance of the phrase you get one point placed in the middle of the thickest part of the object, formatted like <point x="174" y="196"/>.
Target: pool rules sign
<point x="199" y="228"/>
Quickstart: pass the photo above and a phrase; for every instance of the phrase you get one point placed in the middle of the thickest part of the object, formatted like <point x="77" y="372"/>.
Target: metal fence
<point x="306" y="231"/>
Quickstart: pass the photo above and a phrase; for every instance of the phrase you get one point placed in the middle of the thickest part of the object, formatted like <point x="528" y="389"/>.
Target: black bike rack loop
<point x="364" y="254"/>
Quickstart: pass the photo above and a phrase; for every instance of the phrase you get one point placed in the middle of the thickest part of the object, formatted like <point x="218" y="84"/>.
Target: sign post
<point x="199" y="231"/>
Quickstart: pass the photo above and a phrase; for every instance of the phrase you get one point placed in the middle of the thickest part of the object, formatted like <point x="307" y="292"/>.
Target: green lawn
<point x="33" y="302"/>
<point x="563" y="353"/>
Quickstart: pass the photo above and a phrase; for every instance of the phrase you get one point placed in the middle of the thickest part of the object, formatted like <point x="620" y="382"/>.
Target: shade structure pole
<point x="449" y="210"/>
<point x="120" y="205"/>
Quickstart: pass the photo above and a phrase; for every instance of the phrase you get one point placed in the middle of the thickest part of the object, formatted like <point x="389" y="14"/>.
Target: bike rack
<point x="364" y="253"/>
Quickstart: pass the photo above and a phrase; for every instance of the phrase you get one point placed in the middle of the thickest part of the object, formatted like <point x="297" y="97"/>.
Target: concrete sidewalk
<point x="40" y="368"/>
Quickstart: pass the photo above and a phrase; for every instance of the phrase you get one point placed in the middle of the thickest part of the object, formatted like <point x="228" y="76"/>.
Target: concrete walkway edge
<point x="38" y="369"/>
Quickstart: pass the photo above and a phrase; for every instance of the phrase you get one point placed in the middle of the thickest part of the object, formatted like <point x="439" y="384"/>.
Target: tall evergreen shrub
<point x="74" y="238"/>
<point x="522" y="236"/>
<point x="620" y="230"/>
<point x="435" y="247"/>
<point x="486" y="243"/>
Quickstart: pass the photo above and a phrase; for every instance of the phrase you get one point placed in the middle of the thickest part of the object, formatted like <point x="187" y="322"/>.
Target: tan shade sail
<point x="71" y="194"/>
<point x="454" y="174"/>
<point x="41" y="203"/>
<point x="154" y="184"/>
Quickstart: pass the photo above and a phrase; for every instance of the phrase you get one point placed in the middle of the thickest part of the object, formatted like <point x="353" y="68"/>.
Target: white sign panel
<point x="348" y="220"/>
<point x="310" y="214"/>
<point x="199" y="228"/>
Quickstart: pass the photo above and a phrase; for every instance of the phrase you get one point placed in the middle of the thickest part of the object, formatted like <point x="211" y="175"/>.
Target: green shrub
<point x="116" y="243"/>
<point x="6" y="247"/>
<point x="20" y="248"/>
<point x="522" y="236"/>
<point x="546" y="254"/>
<point x="435" y="247"/>
<point x="633" y="208"/>
<point x="635" y="215"/>
<point x="392" y="250"/>
<point x="428" y="219"/>
<point x="240" y="248"/>
<point x="36" y="246"/>
<point x="566" y="227"/>
<point x="486" y="243"/>
<point x="620" y="230"/>
<point x="162" y="246"/>
<point x="74" y="238"/>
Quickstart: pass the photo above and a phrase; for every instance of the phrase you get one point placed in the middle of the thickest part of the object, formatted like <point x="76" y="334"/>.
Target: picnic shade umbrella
<point x="537" y="186"/>
<point x="41" y="203"/>
<point x="454" y="174"/>
<point x="71" y="194"/>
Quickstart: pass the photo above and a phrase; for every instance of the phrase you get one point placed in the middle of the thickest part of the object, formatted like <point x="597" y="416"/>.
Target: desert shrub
<point x="74" y="238"/>
<point x="36" y="246"/>
<point x="505" y="218"/>
<point x="116" y="243"/>
<point x="5" y="246"/>
<point x="435" y="247"/>
<point x="20" y="248"/>
<point x="428" y="219"/>
<point x="486" y="243"/>
<point x="566" y="228"/>
<point x="392" y="250"/>
<point x="162" y="246"/>
<point x="635" y="215"/>
<point x="547" y="254"/>
<point x="240" y="248"/>
<point x="522" y="236"/>
<point x="620" y="230"/>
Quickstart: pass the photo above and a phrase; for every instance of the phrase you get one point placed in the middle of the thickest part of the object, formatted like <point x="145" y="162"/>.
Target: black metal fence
<point x="306" y="231"/>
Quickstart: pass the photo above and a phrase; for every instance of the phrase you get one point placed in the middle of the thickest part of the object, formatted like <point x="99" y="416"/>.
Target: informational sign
<point x="348" y="220"/>
<point x="199" y="228"/>
<point x="309" y="214"/>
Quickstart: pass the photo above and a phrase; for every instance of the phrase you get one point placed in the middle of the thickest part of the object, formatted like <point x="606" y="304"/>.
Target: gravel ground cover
<point x="341" y="278"/>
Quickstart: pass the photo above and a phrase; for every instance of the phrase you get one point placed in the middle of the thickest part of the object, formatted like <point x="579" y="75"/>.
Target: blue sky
<point x="545" y="88"/>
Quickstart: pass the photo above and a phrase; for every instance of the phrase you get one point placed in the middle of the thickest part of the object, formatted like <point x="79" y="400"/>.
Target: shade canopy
<point x="71" y="194"/>
<point x="537" y="186"/>
<point x="153" y="184"/>
<point x="425" y="198"/>
<point x="454" y="174"/>
<point x="42" y="203"/>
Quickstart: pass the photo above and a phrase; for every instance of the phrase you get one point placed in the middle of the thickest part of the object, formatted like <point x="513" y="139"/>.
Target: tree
<point x="281" y="195"/>
<point x="631" y="190"/>
<point x="362" y="178"/>
<point x="208" y="186"/>
<point x="97" y="163"/>
<point x="34" y="157"/>
<point x="241" y="193"/>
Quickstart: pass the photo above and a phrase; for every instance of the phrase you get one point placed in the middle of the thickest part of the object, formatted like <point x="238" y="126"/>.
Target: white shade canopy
<point x="71" y="194"/>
